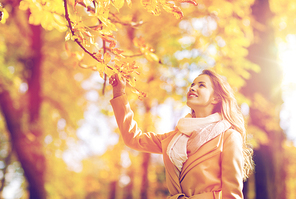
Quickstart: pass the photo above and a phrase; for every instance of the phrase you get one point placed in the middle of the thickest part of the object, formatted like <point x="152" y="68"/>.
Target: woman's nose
<point x="192" y="89"/>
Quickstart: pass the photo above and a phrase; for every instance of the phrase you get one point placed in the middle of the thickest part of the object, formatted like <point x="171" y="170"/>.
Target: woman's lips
<point x="192" y="95"/>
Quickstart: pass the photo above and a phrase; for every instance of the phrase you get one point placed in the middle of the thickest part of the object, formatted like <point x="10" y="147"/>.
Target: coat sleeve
<point x="133" y="137"/>
<point x="232" y="166"/>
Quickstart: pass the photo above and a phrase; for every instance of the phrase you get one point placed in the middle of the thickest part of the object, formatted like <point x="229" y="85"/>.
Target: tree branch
<point x="73" y="34"/>
<point x="105" y="76"/>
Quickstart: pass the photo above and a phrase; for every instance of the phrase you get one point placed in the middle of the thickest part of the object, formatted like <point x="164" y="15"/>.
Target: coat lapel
<point x="172" y="173"/>
<point x="206" y="151"/>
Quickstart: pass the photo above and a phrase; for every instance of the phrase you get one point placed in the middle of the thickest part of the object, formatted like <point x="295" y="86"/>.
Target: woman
<point x="206" y="155"/>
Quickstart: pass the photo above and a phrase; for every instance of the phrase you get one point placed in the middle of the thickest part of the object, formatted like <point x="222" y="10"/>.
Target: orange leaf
<point x="87" y="33"/>
<point x="151" y="56"/>
<point x="100" y="26"/>
<point x="152" y="6"/>
<point x="79" y="55"/>
<point x="188" y="1"/>
<point x="171" y="8"/>
<point x="112" y="44"/>
<point x="139" y="42"/>
<point x="98" y="56"/>
<point x="117" y="51"/>
<point x="107" y="58"/>
<point x="129" y="3"/>
<point x="67" y="48"/>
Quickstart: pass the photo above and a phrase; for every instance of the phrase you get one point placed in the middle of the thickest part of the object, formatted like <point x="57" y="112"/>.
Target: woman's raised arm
<point x="132" y="135"/>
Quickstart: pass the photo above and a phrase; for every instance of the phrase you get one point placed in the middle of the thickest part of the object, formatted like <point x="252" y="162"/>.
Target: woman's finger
<point x="113" y="80"/>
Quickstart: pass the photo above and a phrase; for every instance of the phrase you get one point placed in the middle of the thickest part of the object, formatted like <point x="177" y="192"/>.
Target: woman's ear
<point x="216" y="100"/>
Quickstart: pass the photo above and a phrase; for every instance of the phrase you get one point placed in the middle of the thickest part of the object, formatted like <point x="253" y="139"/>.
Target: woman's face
<point x="201" y="94"/>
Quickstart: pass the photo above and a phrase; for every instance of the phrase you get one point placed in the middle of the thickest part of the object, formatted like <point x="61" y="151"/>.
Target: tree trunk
<point x="128" y="191"/>
<point x="145" y="156"/>
<point x="28" y="143"/>
<point x="26" y="146"/>
<point x="262" y="171"/>
<point x="145" y="182"/>
<point x="36" y="188"/>
<point x="112" y="189"/>
<point x="269" y="159"/>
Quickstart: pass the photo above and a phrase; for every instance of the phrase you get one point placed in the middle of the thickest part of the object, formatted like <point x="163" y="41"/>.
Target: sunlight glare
<point x="287" y="56"/>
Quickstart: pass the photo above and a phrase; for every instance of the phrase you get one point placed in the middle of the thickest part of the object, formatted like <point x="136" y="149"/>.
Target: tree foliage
<point x="158" y="46"/>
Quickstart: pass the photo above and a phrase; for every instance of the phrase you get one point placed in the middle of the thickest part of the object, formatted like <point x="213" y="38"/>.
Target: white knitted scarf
<point x="192" y="134"/>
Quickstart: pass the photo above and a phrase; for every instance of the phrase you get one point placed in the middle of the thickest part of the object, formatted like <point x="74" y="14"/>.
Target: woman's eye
<point x="201" y="85"/>
<point x="192" y="85"/>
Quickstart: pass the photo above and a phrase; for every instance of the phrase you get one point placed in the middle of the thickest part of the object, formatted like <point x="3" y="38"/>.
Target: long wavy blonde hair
<point x="231" y="112"/>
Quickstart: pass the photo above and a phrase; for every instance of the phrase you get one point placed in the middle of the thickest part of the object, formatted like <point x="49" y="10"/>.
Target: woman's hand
<point x="118" y="85"/>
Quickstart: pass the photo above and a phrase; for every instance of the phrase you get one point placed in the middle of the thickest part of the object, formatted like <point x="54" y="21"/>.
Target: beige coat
<point x="214" y="171"/>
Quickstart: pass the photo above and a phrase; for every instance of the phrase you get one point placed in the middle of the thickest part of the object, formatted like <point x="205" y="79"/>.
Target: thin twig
<point x="67" y="16"/>
<point x="105" y="75"/>
<point x="73" y="34"/>
<point x="92" y="54"/>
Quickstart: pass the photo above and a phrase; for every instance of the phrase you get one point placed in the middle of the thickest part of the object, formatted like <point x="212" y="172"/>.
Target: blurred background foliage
<point x="58" y="135"/>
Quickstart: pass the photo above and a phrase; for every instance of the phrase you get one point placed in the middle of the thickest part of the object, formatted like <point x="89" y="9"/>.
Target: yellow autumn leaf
<point x="104" y="69"/>
<point x="102" y="9"/>
<point x="85" y="66"/>
<point x="4" y="15"/>
<point x="129" y="3"/>
<point x="74" y="37"/>
<point x="92" y="40"/>
<point x="105" y="32"/>
<point x="59" y="19"/>
<point x="171" y="8"/>
<point x="88" y="2"/>
<point x="108" y="26"/>
<point x="151" y="56"/>
<point x="100" y="66"/>
<point x="24" y="5"/>
<point x="132" y="81"/>
<point x="152" y="6"/>
<point x="101" y="74"/>
<point x="107" y="58"/>
<point x="60" y="24"/>
<point x="108" y="71"/>
<point x="118" y="4"/>
<point x="79" y="55"/>
<point x="68" y="36"/>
